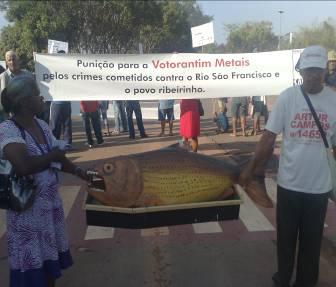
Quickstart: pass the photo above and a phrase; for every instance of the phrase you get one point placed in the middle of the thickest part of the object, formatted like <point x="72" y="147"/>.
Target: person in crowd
<point x="220" y="118"/>
<point x="60" y="120"/>
<point x="13" y="70"/>
<point x="331" y="81"/>
<point x="38" y="247"/>
<point x="304" y="177"/>
<point x="58" y="114"/>
<point x="120" y="119"/>
<point x="103" y="107"/>
<point x="259" y="109"/>
<point x="90" y="115"/>
<point x="190" y="122"/>
<point x="134" y="106"/>
<point x="166" y="113"/>
<point x="239" y="108"/>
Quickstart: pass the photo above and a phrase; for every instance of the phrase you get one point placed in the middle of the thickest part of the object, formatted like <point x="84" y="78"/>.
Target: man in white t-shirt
<point x="304" y="178"/>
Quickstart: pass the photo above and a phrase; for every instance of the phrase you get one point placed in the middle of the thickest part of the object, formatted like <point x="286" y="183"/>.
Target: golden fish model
<point x="167" y="176"/>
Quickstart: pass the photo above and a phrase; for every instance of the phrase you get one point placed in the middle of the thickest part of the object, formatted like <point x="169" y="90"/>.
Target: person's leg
<point x="194" y="144"/>
<point x="67" y="123"/>
<point x="288" y="216"/>
<point x="87" y="127"/>
<point x="170" y="119"/>
<point x="171" y="124"/>
<point x="129" y="112"/>
<point x="256" y="117"/>
<point x="116" y="116"/>
<point x="55" y="120"/>
<point x="95" y="119"/>
<point x="243" y="124"/>
<point x="162" y="119"/>
<point x="105" y="121"/>
<point x="163" y="126"/>
<point x="310" y="237"/>
<point x="122" y="117"/>
<point x="234" y="126"/>
<point x="234" y="114"/>
<point x="138" y="116"/>
<point x="243" y="110"/>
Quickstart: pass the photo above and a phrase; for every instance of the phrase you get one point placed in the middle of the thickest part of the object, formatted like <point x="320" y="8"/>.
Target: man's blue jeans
<point x="92" y="117"/>
<point x="60" y="119"/>
<point x="134" y="106"/>
<point x="120" y="120"/>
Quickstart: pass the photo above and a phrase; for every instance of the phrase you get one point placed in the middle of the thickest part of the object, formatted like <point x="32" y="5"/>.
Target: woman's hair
<point x="18" y="88"/>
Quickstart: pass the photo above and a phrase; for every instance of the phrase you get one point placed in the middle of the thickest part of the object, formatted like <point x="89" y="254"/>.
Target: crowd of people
<point x="30" y="139"/>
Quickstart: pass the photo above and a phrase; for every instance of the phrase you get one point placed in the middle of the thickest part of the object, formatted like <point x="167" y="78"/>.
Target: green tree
<point x="98" y="26"/>
<point x="323" y="33"/>
<point x="249" y="37"/>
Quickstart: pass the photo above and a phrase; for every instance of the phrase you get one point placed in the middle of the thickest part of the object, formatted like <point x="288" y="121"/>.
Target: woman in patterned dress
<point x="190" y="122"/>
<point x="38" y="247"/>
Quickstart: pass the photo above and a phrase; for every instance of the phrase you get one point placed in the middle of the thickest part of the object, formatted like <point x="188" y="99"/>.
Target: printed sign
<point x="202" y="35"/>
<point x="56" y="46"/>
<point x="162" y="76"/>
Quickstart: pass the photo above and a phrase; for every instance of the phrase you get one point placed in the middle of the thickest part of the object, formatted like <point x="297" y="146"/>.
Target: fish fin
<point x="256" y="190"/>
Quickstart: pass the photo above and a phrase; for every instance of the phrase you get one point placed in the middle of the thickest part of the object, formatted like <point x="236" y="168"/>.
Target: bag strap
<point x="317" y="121"/>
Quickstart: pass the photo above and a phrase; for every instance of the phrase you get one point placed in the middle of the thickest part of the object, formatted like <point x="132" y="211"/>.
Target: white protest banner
<point x="202" y="35"/>
<point x="162" y="76"/>
<point x="55" y="46"/>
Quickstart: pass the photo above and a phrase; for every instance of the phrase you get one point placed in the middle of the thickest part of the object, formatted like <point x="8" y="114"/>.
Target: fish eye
<point x="108" y="167"/>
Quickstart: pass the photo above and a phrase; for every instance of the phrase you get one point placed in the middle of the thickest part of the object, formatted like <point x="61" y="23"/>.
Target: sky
<point x="295" y="14"/>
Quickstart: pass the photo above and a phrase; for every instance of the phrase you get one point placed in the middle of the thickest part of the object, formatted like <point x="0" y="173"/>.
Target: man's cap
<point x="312" y="57"/>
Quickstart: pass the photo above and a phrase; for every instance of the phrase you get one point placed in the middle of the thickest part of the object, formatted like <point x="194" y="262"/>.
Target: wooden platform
<point x="155" y="216"/>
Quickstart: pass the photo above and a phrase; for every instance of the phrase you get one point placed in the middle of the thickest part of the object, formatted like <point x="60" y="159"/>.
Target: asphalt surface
<point x="239" y="253"/>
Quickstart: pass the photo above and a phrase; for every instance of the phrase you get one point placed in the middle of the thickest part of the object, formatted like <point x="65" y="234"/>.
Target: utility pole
<point x="279" y="44"/>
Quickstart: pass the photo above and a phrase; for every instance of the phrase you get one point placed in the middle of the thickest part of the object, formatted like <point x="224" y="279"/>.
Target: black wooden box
<point x="155" y="216"/>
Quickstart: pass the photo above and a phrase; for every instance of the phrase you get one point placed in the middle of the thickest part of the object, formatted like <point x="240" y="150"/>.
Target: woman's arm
<point x="24" y="164"/>
<point x="69" y="167"/>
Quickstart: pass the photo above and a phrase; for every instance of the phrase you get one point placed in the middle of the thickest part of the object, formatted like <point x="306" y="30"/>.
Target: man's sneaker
<point x="89" y="145"/>
<point x="101" y="143"/>
<point x="144" y="136"/>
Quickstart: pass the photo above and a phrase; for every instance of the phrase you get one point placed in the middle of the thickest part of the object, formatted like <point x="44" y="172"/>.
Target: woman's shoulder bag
<point x="16" y="192"/>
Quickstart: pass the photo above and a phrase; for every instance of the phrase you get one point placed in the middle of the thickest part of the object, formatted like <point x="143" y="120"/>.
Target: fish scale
<point x="171" y="187"/>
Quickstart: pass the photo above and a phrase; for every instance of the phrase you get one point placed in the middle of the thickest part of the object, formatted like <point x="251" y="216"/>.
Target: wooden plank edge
<point x="96" y="207"/>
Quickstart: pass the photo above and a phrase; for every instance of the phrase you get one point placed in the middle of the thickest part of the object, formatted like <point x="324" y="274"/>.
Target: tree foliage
<point x="323" y="34"/>
<point x="99" y="26"/>
<point x="249" y="37"/>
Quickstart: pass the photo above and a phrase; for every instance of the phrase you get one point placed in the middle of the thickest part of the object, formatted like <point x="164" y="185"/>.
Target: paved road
<point x="227" y="253"/>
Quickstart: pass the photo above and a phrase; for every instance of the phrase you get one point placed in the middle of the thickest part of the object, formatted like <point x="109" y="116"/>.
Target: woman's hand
<point x="84" y="174"/>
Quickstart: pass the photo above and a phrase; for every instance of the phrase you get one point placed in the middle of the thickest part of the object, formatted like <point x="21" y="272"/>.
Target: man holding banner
<point x="304" y="177"/>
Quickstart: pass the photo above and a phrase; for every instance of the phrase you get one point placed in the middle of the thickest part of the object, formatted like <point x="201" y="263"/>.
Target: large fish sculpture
<point x="167" y="176"/>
